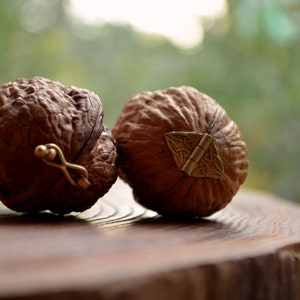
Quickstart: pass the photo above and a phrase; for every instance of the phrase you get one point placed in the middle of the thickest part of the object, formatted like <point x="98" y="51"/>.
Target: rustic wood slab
<point x="119" y="250"/>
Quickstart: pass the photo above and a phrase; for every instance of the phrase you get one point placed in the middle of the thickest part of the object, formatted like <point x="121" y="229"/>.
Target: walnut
<point x="37" y="112"/>
<point x="180" y="152"/>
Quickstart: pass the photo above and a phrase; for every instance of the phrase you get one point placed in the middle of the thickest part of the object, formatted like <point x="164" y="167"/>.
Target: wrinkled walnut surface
<point x="146" y="163"/>
<point x="40" y="111"/>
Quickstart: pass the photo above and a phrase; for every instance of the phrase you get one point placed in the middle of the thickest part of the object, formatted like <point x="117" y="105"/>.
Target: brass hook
<point x="48" y="152"/>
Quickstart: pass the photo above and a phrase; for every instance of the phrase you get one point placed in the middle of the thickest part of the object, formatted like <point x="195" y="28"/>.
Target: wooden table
<point x="119" y="250"/>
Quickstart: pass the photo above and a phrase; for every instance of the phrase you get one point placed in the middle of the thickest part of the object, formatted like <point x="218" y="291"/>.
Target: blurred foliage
<point x="249" y="62"/>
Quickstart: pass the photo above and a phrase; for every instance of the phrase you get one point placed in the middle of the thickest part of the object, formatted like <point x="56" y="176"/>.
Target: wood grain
<point x="119" y="250"/>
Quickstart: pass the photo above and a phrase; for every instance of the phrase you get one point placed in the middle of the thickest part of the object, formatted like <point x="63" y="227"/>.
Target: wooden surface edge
<point x="249" y="250"/>
<point x="273" y="276"/>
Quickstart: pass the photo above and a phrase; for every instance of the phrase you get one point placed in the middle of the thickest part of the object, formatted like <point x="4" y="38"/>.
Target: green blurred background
<point x="248" y="61"/>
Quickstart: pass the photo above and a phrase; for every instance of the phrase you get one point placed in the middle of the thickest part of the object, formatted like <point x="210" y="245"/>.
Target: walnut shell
<point x="148" y="165"/>
<point x="39" y="111"/>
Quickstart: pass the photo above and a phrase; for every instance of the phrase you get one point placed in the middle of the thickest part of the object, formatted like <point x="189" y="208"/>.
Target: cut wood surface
<point x="119" y="250"/>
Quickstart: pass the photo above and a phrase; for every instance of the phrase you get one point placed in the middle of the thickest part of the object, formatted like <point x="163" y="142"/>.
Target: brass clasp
<point x="195" y="153"/>
<point x="48" y="152"/>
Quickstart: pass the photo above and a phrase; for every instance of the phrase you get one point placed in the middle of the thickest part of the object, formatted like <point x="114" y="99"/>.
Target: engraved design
<point x="195" y="153"/>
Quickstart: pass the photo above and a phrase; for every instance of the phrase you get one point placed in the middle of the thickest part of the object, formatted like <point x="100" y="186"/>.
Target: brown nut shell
<point x="39" y="111"/>
<point x="147" y="163"/>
